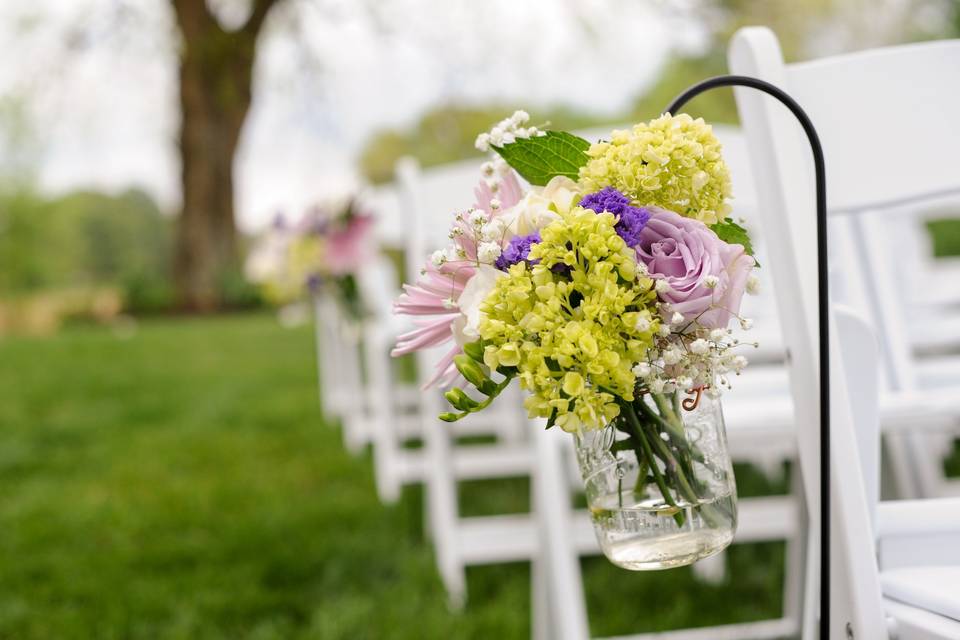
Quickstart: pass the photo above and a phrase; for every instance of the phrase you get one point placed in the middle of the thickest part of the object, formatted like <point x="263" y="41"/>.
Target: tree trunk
<point x="216" y="69"/>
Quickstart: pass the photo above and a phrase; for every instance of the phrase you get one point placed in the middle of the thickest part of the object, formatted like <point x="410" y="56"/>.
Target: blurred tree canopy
<point x="447" y="133"/>
<point x="805" y="28"/>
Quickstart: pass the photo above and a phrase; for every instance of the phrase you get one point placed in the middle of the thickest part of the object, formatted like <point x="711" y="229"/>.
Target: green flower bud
<point x="449" y="417"/>
<point x="470" y="370"/>
<point x="474" y="350"/>
<point x="460" y="400"/>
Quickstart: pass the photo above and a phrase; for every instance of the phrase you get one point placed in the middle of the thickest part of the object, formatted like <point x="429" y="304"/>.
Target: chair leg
<point x="381" y="404"/>
<point x="353" y="413"/>
<point x="712" y="570"/>
<point x="442" y="508"/>
<point x="899" y="450"/>
<point x="567" y="604"/>
<point x="541" y="615"/>
<point x="795" y="556"/>
<point x="811" y="588"/>
<point x="324" y="353"/>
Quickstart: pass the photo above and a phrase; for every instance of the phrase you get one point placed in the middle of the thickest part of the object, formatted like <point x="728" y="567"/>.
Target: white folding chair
<point x="393" y="404"/>
<point x="344" y="375"/>
<point x="461" y="541"/>
<point x="339" y="372"/>
<point x="865" y="107"/>
<point x="917" y="541"/>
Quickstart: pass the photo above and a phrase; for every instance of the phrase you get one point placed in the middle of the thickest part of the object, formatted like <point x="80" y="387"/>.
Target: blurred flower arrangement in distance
<point x="320" y="252"/>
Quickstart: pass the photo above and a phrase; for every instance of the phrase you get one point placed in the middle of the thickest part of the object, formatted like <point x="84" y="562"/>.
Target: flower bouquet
<point x="321" y="252"/>
<point x="605" y="285"/>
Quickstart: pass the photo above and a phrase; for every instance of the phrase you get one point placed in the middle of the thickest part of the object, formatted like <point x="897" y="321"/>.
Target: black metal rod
<point x="823" y="306"/>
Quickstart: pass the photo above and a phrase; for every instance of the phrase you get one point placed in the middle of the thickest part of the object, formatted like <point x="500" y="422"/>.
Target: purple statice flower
<point x="517" y="251"/>
<point x="630" y="220"/>
<point x="314" y="282"/>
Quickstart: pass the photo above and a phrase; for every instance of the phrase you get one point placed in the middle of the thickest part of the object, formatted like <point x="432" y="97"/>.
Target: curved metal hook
<point x="823" y="306"/>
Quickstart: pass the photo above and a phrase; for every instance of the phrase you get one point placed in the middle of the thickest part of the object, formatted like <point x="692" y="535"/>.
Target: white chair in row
<point x="460" y="541"/>
<point x="339" y="372"/>
<point x="867" y="107"/>
<point x="393" y="402"/>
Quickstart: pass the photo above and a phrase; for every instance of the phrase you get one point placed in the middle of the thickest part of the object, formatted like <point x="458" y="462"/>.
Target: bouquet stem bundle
<point x="665" y="454"/>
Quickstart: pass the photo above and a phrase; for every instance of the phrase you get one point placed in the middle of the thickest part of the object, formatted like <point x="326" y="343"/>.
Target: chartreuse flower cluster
<point x="574" y="324"/>
<point x="673" y="162"/>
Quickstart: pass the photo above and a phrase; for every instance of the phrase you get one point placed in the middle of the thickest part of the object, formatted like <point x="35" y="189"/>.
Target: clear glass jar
<point x="659" y="482"/>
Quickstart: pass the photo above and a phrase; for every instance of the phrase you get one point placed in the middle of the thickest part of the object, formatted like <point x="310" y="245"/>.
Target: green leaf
<point x="732" y="233"/>
<point x="540" y="158"/>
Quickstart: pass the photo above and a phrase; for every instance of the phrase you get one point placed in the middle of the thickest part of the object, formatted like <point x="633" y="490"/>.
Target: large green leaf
<point x="540" y="158"/>
<point x="732" y="233"/>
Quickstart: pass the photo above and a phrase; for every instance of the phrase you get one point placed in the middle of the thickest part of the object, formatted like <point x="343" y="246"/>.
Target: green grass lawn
<point x="181" y="484"/>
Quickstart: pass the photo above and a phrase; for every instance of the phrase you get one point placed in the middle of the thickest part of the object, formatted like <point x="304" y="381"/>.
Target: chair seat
<point x="933" y="589"/>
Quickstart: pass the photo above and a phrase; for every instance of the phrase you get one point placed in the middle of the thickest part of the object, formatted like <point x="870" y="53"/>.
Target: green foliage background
<point x="86" y="239"/>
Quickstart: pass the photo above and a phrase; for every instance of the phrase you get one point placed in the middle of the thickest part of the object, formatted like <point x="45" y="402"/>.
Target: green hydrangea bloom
<point x="572" y="332"/>
<point x="673" y="162"/>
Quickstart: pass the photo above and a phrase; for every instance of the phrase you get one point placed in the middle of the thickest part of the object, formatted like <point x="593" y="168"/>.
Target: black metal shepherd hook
<point x="822" y="307"/>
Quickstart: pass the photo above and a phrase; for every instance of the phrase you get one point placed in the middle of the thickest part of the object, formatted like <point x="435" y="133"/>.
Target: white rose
<point x="540" y="206"/>
<point x="466" y="328"/>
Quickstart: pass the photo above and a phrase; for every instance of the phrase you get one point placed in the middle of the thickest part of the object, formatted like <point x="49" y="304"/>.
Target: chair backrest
<point x="886" y="118"/>
<point x="383" y="201"/>
<point x="379" y="287"/>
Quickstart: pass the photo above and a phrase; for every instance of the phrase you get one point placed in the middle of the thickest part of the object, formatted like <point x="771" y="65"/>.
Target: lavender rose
<point x="706" y="276"/>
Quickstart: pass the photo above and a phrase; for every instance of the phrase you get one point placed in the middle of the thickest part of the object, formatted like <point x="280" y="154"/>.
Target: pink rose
<point x="690" y="258"/>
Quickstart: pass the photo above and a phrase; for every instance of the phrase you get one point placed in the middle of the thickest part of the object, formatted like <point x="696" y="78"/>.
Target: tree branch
<point x="255" y="22"/>
<point x="194" y="17"/>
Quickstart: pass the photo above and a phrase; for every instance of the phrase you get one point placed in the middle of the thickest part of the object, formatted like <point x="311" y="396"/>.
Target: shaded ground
<point x="180" y="484"/>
